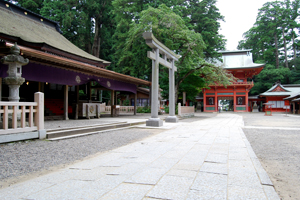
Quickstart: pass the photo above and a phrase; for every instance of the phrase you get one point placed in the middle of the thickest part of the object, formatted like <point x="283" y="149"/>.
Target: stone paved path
<point x="207" y="159"/>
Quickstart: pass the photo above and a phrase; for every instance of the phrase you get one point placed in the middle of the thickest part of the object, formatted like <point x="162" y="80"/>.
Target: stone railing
<point x="13" y="115"/>
<point x="126" y="109"/>
<point x="186" y="111"/>
<point x="107" y="109"/>
<point x="122" y="109"/>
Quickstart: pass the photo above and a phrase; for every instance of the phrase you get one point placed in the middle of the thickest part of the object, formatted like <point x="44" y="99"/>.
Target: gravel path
<point x="23" y="158"/>
<point x="278" y="152"/>
<point x="277" y="149"/>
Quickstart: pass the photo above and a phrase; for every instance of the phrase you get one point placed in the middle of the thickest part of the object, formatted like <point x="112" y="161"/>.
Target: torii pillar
<point x="167" y="60"/>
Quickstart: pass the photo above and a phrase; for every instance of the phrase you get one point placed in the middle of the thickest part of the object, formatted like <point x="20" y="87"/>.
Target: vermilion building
<point x="241" y="65"/>
<point x="284" y="98"/>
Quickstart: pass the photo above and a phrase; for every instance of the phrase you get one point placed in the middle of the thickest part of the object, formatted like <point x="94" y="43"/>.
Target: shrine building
<point x="57" y="67"/>
<point x="240" y="64"/>
<point x="283" y="98"/>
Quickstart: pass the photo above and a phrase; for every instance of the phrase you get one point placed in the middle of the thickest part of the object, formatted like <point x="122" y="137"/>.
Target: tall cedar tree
<point x="271" y="37"/>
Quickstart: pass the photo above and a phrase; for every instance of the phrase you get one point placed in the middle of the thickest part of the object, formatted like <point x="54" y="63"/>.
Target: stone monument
<point x="14" y="79"/>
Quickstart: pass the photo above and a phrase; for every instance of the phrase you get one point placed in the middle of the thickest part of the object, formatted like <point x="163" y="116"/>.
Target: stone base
<point x="18" y="136"/>
<point x="156" y="122"/>
<point x="42" y="134"/>
<point x="255" y="109"/>
<point x="171" y="119"/>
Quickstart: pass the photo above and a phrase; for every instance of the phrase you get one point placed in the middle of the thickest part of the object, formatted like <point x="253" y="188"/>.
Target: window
<point x="277" y="104"/>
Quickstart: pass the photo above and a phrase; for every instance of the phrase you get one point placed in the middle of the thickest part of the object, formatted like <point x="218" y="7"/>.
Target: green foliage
<point x="32" y="5"/>
<point x="126" y="102"/>
<point x="268" y="76"/>
<point x="274" y="32"/>
<point x="167" y="109"/>
<point x="145" y="109"/>
<point x="171" y="30"/>
<point x="113" y="30"/>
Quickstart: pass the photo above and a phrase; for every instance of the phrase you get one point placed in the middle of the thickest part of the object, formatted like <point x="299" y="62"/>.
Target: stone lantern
<point x="15" y="62"/>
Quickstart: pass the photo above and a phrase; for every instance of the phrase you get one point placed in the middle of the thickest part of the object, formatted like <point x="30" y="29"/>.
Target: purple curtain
<point x="44" y="73"/>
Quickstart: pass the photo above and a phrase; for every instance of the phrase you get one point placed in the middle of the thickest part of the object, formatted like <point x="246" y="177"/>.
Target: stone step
<point x="70" y="132"/>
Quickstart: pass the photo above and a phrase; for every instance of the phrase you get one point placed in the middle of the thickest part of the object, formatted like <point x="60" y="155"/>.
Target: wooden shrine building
<point x="284" y="98"/>
<point x="56" y="67"/>
<point x="241" y="65"/>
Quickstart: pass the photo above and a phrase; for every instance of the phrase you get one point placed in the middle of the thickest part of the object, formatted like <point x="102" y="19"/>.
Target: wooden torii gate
<point x="168" y="58"/>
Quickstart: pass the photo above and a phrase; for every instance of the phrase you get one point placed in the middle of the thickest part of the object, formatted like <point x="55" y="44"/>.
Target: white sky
<point x="240" y="15"/>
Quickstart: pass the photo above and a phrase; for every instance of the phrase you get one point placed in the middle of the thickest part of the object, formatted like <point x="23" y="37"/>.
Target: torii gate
<point x="168" y="58"/>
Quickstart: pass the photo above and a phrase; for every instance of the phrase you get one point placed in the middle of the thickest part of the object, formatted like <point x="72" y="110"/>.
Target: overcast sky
<point x="240" y="15"/>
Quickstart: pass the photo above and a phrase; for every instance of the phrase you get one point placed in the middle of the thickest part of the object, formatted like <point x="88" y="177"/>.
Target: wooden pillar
<point x="77" y="102"/>
<point x="234" y="100"/>
<point x="204" y="100"/>
<point x="294" y="108"/>
<point x="246" y="100"/>
<point x="66" y="105"/>
<point x="135" y="101"/>
<point x="216" y="100"/>
<point x="112" y="101"/>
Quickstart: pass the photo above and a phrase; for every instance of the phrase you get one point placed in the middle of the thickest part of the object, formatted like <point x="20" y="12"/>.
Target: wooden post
<point x="204" y="101"/>
<point x="234" y="100"/>
<point x="112" y="101"/>
<point x="66" y="104"/>
<point x="135" y="101"/>
<point x="77" y="102"/>
<point x="216" y="100"/>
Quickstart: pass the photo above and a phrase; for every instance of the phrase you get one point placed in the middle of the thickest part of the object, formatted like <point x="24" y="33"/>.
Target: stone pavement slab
<point x="206" y="159"/>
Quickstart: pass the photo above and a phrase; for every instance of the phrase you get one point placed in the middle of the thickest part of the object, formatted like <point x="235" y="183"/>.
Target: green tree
<point x="171" y="30"/>
<point x="274" y="29"/>
<point x="205" y="18"/>
<point x="268" y="76"/>
<point x="32" y="5"/>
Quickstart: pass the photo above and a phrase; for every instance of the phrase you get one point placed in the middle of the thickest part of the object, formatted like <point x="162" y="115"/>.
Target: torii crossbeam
<point x="168" y="58"/>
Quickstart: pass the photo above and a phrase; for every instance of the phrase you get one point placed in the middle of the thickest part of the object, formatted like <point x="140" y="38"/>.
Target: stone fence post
<point x="39" y="117"/>
<point x="179" y="109"/>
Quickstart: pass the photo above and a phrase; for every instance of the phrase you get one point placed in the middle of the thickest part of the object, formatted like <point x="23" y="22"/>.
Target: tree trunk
<point x="96" y="43"/>
<point x="285" y="50"/>
<point x="294" y="46"/>
<point x="276" y="51"/>
<point x="176" y="93"/>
